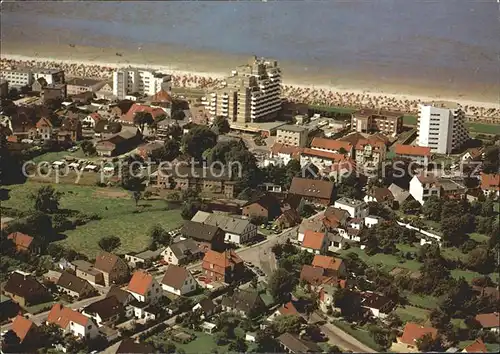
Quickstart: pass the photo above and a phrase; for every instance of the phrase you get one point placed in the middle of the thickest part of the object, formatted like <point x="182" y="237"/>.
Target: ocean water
<point x="454" y="42"/>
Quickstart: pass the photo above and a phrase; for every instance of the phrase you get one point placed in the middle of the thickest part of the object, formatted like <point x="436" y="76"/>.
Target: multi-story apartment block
<point x="369" y="154"/>
<point x="418" y="154"/>
<point x="78" y="85"/>
<point x="18" y="76"/>
<point x="370" y="120"/>
<point x="251" y="93"/>
<point x="51" y="76"/>
<point x="142" y="81"/>
<point x="293" y="135"/>
<point x="441" y="127"/>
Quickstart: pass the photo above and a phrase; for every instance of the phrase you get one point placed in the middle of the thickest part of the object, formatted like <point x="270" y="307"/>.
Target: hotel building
<point x="143" y="81"/>
<point x="441" y="127"/>
<point x="251" y="94"/>
<point x="370" y="121"/>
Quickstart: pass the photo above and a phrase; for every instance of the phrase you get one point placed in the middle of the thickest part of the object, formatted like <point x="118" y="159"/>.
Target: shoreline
<point x="188" y="74"/>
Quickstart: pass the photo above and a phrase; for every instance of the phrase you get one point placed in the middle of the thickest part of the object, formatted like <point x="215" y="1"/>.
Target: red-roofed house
<point x="489" y="321"/>
<point x="26" y="330"/>
<point x="334" y="265"/>
<point x="224" y="266"/>
<point x="24" y="243"/>
<point x="128" y="118"/>
<point x="91" y="120"/>
<point x="282" y="154"/>
<point x="476" y="347"/>
<point x="287" y="309"/>
<point x="144" y="287"/>
<point x="44" y="128"/>
<point x="418" y="154"/>
<point x="490" y="184"/>
<point x="73" y="322"/>
<point x="412" y="332"/>
<point x="321" y="159"/>
<point x="333" y="146"/>
<point x="315" y="242"/>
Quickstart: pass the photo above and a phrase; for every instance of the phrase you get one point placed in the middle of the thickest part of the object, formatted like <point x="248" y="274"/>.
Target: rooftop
<point x="293" y="128"/>
<point x="350" y="202"/>
<point x="443" y="104"/>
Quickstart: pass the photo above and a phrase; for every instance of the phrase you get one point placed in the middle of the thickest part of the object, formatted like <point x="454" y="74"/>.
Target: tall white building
<point x="251" y="93"/>
<point x="441" y="126"/>
<point x="142" y="81"/>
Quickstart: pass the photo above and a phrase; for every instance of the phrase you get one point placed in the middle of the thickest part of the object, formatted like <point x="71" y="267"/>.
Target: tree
<point x="159" y="236"/>
<point x="174" y="132"/>
<point x="427" y="343"/>
<point x="36" y="224"/>
<point x="137" y="195"/>
<point x="411" y="206"/>
<point x="197" y="140"/>
<point x="381" y="336"/>
<point x="10" y="342"/>
<point x="88" y="148"/>
<point x="46" y="199"/>
<point x="348" y="302"/>
<point x="287" y="323"/>
<point x="439" y="319"/>
<point x="51" y="334"/>
<point x="334" y="349"/>
<point x="109" y="243"/>
<point x="238" y="346"/>
<point x="220" y="125"/>
<point x="266" y="342"/>
<point x="172" y="149"/>
<point x="432" y="208"/>
<point x="131" y="176"/>
<point x="281" y="284"/>
<point x="453" y="231"/>
<point x="481" y="260"/>
<point x="491" y="161"/>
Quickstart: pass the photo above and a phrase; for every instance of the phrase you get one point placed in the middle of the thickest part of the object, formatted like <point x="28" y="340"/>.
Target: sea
<point x="453" y="43"/>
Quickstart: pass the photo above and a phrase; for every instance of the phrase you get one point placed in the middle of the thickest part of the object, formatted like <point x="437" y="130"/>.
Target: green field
<point x="55" y="156"/>
<point x="359" y="333"/>
<point x="119" y="216"/>
<point x="424" y="301"/>
<point x="410" y="120"/>
<point x="484" y="128"/>
<point x="412" y="314"/>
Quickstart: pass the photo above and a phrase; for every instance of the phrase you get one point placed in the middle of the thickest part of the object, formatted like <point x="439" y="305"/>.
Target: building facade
<point x="18" y="77"/>
<point x="441" y="127"/>
<point x="142" y="81"/>
<point x="292" y="135"/>
<point x="369" y="121"/>
<point x="76" y="85"/>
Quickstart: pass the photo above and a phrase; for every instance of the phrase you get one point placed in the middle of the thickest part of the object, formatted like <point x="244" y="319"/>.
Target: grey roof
<point x="335" y="237"/>
<point x="400" y="195"/>
<point x="72" y="282"/>
<point x="200" y="216"/>
<point x="315" y="225"/>
<point x="199" y="231"/>
<point x="292" y="128"/>
<point x="297" y="345"/>
<point x="184" y="248"/>
<point x="350" y="202"/>
<point x="85" y="266"/>
<point x="78" y="81"/>
<point x="121" y="295"/>
<point x="235" y="225"/>
<point x="243" y="300"/>
<point x="148" y="254"/>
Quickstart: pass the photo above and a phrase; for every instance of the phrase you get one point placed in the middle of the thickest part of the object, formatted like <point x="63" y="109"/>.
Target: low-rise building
<point x="224" y="266"/>
<point x="74" y="286"/>
<point x="418" y="154"/>
<point x="379" y="305"/>
<point x="315" y="191"/>
<point x="178" y="280"/>
<point x="27" y="332"/>
<point x="490" y="184"/>
<point x="265" y="206"/>
<point x="355" y="208"/>
<point x="142" y="259"/>
<point x="72" y="322"/>
<point x="281" y="154"/>
<point x="182" y="252"/>
<point x="293" y="135"/>
<point x="333" y="146"/>
<point x="71" y="129"/>
<point x="315" y="242"/>
<point x="24" y="289"/>
<point x="293" y="344"/>
<point x="237" y="230"/>
<point x="489" y="321"/>
<point x="113" y="268"/>
<point x="24" y="243"/>
<point x="119" y="143"/>
<point x="411" y="333"/>
<point x="207" y="307"/>
<point x="246" y="303"/>
<point x="78" y="85"/>
<point x="369" y="154"/>
<point x="323" y="160"/>
<point x="422" y="187"/>
<point x="477" y="346"/>
<point x="380" y="195"/>
<point x="144" y="287"/>
<point x="105" y="312"/>
<point x="371" y="120"/>
<point x="86" y="270"/>
<point x="44" y="129"/>
<point x="53" y="92"/>
<point x="332" y="265"/>
<point x="208" y="237"/>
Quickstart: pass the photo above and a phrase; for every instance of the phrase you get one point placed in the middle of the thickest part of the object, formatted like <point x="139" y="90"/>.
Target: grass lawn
<point x="492" y="347"/>
<point x="483" y="128"/>
<point x="459" y="322"/>
<point x="410" y="313"/>
<point x="479" y="237"/>
<point x="359" y="333"/>
<point x="204" y="343"/>
<point x="425" y="301"/>
<point x="116" y="209"/>
<point x="55" y="156"/>
<point x="44" y="306"/>
<point x="410" y="120"/>
<point x="335" y="109"/>
<point x="386" y="261"/>
<point x="453" y="253"/>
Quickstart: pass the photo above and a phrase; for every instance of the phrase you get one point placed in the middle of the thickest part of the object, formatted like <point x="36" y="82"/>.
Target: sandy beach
<point x="200" y="69"/>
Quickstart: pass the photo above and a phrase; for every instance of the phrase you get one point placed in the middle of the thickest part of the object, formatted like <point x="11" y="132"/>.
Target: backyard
<point x="119" y="215"/>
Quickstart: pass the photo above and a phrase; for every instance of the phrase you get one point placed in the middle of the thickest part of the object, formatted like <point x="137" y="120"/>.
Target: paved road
<point x="338" y="337"/>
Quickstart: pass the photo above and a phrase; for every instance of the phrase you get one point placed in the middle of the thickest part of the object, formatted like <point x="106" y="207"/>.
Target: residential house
<point x="380" y="195"/>
<point x="73" y="322"/>
<point x="332" y="146"/>
<point x="315" y="242"/>
<point x="184" y="177"/>
<point x="148" y="149"/>
<point x="24" y="243"/>
<point x="44" y="128"/>
<point x="237" y="230"/>
<point x="281" y="154"/>
<point x="27" y="332"/>
<point x="490" y="184"/>
<point x="418" y="154"/>
<point x="246" y="303"/>
<point x="178" y="280"/>
<point x="25" y="290"/>
<point x="182" y="252"/>
<point x="315" y="191"/>
<point x="379" y="305"/>
<point x="224" y="266"/>
<point x="293" y="344"/>
<point x="335" y="242"/>
<point x="315" y="224"/>
<point x="473" y="154"/>
<point x="114" y="269"/>
<point x="372" y="220"/>
<point x="369" y="154"/>
<point x="71" y="129"/>
<point x="105" y="312"/>
<point x="128" y="118"/>
<point x="53" y="92"/>
<point x="119" y="143"/>
<point x="74" y="286"/>
<point x="123" y="296"/>
<point x="411" y="333"/>
<point x="332" y="265"/>
<point x="424" y="186"/>
<point x="323" y="160"/>
<point x="143" y="259"/>
<point x="86" y="270"/>
<point x="287" y="309"/>
<point x="127" y="346"/>
<point x="207" y="236"/>
<point x="335" y="219"/>
<point x="289" y="218"/>
<point x="106" y="92"/>
<point x="316" y="277"/>
<point x="265" y="206"/>
<point x="489" y="321"/>
<point x="207" y="307"/>
<point x="39" y="84"/>
<point x="400" y="195"/>
<point x="91" y="120"/>
<point x="293" y="135"/>
<point x="355" y="208"/>
<point x="144" y="287"/>
<point x="477" y="346"/>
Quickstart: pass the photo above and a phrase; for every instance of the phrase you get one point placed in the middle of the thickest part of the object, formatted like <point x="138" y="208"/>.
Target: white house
<point x="73" y="322"/>
<point x="318" y="158"/>
<point x="315" y="242"/>
<point x="237" y="229"/>
<point x="144" y="287"/>
<point x="178" y="280"/>
<point x="91" y="120"/>
<point x="372" y="220"/>
<point x="355" y="208"/>
<point x="281" y="154"/>
<point x="182" y="252"/>
<point x="379" y="305"/>
<point x="422" y="187"/>
<point x="141" y="259"/>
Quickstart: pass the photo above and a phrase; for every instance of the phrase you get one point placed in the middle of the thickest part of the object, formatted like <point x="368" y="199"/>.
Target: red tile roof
<point x="476" y="347"/>
<point x="43" y="122"/>
<point x="136" y="107"/>
<point x="323" y="154"/>
<point x="374" y="143"/>
<point x="20" y="240"/>
<point x="326" y="262"/>
<point x="278" y="148"/>
<point x="288" y="309"/>
<point x="489" y="320"/>
<point x="490" y="182"/>
<point x="140" y="283"/>
<point x="331" y="144"/>
<point x="222" y="259"/>
<point x="21" y="326"/>
<point x="314" y="240"/>
<point x="61" y="316"/>
<point x="412" y="150"/>
<point x="414" y="331"/>
<point x="161" y="96"/>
